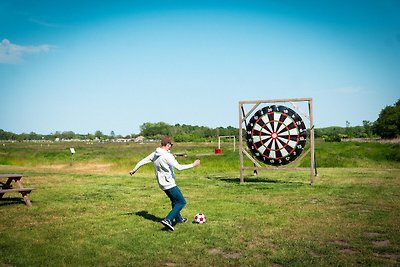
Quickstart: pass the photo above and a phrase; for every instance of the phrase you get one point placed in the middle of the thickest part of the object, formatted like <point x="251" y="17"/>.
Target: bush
<point x="333" y="138"/>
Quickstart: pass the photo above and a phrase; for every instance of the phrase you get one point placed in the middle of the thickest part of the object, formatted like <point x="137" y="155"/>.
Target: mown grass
<point x="94" y="214"/>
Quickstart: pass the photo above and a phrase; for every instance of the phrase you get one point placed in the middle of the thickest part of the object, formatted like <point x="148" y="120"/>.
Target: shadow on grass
<point x="145" y="214"/>
<point x="11" y="201"/>
<point x="252" y="180"/>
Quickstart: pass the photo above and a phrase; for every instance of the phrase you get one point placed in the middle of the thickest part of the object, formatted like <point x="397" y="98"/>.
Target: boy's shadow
<point x="145" y="214"/>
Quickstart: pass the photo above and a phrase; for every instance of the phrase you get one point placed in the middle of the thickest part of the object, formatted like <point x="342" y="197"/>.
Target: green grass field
<point x="90" y="212"/>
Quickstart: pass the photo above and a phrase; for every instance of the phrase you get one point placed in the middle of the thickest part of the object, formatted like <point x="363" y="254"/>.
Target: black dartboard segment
<point x="276" y="135"/>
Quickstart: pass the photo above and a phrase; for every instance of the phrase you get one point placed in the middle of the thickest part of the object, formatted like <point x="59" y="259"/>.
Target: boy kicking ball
<point x="164" y="164"/>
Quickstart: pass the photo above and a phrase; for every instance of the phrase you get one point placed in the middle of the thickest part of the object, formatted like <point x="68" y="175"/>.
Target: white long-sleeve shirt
<point x="164" y="164"/>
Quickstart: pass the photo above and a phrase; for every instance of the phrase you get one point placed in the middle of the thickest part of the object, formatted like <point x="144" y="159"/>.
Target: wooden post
<point x="241" y="142"/>
<point x="312" y="166"/>
<point x="26" y="199"/>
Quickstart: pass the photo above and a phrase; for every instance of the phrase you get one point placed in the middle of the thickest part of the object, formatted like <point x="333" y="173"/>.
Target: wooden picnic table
<point x="16" y="187"/>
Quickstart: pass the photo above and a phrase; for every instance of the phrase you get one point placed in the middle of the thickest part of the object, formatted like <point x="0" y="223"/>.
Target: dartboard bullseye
<point x="276" y="135"/>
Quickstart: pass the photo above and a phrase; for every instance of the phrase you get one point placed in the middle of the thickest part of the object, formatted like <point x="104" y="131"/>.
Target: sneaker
<point x="167" y="223"/>
<point x="183" y="220"/>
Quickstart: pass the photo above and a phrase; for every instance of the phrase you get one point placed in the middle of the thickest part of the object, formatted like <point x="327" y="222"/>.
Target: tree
<point x="68" y="135"/>
<point x="388" y="124"/>
<point x="98" y="134"/>
<point x="368" y="127"/>
<point x="7" y="135"/>
<point x="155" y="130"/>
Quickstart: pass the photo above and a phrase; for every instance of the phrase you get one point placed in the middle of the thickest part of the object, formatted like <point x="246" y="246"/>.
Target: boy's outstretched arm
<point x="144" y="161"/>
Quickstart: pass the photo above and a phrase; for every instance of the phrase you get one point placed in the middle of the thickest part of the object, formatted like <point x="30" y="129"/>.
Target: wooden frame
<point x="242" y="119"/>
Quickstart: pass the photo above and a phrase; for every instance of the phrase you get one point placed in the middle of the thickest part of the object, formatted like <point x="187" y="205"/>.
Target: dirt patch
<point x="55" y="167"/>
<point x="215" y="251"/>
<point x="316" y="254"/>
<point x="232" y="255"/>
<point x="93" y="167"/>
<point x="381" y="243"/>
<point x="81" y="168"/>
<point x="339" y="243"/>
<point x="388" y="256"/>
<point x="347" y="251"/>
<point x="372" y="234"/>
<point x="228" y="255"/>
<point x="343" y="246"/>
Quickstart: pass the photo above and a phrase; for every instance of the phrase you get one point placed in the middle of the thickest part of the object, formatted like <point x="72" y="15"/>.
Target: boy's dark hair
<point x="166" y="140"/>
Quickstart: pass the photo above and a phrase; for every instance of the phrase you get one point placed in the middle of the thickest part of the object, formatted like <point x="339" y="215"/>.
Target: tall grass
<point x="123" y="156"/>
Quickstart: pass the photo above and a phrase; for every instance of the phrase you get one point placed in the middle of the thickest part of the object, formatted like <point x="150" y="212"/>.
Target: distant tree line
<point x="386" y="126"/>
<point x="66" y="135"/>
<point x="184" y="132"/>
<point x="181" y="133"/>
<point x="336" y="133"/>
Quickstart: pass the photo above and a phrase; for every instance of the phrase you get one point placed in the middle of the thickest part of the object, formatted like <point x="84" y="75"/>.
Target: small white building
<point x="139" y="139"/>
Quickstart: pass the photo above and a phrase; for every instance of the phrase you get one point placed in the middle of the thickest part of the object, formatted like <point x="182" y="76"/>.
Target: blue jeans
<point x="177" y="201"/>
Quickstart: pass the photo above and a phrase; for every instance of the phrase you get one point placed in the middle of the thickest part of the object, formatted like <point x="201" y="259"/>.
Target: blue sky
<point x="84" y="66"/>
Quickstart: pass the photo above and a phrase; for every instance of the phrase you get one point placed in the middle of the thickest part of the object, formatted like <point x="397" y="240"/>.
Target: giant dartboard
<point x="276" y="135"/>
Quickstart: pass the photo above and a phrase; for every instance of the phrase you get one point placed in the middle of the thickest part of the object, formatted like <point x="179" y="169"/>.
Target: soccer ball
<point x="200" y="218"/>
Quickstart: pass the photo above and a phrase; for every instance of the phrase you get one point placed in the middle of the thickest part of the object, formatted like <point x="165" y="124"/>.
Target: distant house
<point x="139" y="139"/>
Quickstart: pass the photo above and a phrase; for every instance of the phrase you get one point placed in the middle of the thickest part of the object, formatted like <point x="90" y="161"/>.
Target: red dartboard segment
<point x="276" y="135"/>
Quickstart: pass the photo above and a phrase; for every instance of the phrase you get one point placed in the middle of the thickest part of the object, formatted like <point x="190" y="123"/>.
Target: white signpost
<point x="72" y="154"/>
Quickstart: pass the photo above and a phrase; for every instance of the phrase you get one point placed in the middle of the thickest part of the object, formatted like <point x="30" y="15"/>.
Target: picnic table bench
<point x="8" y="187"/>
